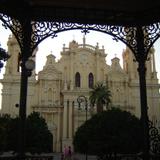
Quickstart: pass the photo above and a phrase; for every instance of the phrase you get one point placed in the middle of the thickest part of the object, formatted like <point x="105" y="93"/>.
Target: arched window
<point x="90" y="80"/>
<point x="77" y="79"/>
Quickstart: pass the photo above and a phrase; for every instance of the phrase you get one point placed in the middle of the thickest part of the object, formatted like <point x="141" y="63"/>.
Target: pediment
<point x="117" y="76"/>
<point x="50" y="73"/>
<point x="117" y="73"/>
<point x="87" y="50"/>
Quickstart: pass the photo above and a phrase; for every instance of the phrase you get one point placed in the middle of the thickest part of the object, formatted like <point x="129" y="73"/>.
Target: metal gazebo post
<point x="26" y="53"/>
<point x="141" y="59"/>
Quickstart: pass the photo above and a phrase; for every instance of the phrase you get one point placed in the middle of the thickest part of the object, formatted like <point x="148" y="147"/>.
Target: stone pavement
<point x="57" y="156"/>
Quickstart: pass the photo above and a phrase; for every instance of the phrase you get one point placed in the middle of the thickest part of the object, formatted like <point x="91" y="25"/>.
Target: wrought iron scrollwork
<point x="14" y="26"/>
<point x="154" y="139"/>
<point x="42" y="30"/>
<point x="151" y="34"/>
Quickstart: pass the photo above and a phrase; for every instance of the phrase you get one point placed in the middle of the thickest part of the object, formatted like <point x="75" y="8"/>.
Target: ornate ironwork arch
<point x="139" y="39"/>
<point x="14" y="26"/>
<point x="154" y="139"/>
<point x="43" y="30"/>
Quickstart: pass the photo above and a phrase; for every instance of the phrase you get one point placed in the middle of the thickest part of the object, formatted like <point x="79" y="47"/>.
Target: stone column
<point x="66" y="141"/>
<point x="65" y="120"/>
<point x="59" y="135"/>
<point x="71" y="120"/>
<point x="71" y="72"/>
<point x="97" y="65"/>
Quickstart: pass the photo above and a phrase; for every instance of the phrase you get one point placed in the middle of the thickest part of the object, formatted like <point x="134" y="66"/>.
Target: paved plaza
<point x="57" y="156"/>
<point x="76" y="156"/>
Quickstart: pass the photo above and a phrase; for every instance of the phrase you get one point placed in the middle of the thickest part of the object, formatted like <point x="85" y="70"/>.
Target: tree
<point x="108" y="132"/>
<point x="38" y="137"/>
<point x="13" y="133"/>
<point x="4" y="126"/>
<point x="100" y="95"/>
<point x="3" y="56"/>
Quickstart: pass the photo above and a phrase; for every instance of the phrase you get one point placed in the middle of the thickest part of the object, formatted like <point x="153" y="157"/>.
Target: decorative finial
<point x="97" y="45"/>
<point x="64" y="47"/>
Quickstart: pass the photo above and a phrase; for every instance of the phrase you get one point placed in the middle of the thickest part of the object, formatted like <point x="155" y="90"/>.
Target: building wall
<point x="54" y="92"/>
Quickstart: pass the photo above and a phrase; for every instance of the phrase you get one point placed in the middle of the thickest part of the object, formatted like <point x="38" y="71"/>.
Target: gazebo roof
<point x="110" y="12"/>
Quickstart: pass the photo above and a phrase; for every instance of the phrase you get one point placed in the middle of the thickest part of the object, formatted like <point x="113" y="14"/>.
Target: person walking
<point x="69" y="153"/>
<point x="65" y="153"/>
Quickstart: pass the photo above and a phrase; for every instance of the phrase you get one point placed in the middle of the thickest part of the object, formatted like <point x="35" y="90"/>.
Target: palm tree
<point x="100" y="95"/>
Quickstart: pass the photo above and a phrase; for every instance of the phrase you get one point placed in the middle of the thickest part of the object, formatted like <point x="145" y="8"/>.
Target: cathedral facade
<point x="53" y="92"/>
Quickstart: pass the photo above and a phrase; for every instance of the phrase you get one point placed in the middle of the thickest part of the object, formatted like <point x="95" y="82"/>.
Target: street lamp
<point x="27" y="67"/>
<point x="30" y="65"/>
<point x="83" y="100"/>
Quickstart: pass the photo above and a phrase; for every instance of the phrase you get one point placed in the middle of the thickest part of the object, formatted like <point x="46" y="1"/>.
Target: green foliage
<point x="100" y="95"/>
<point x="13" y="135"/>
<point x="38" y="137"/>
<point x="4" y="127"/>
<point x="112" y="131"/>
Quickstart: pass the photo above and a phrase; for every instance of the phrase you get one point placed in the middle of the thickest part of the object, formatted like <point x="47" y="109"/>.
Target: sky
<point x="54" y="46"/>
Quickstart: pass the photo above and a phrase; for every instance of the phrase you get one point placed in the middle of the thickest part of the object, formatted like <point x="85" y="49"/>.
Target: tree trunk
<point x="99" y="107"/>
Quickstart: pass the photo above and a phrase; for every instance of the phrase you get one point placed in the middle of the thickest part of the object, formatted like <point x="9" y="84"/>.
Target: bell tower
<point x="11" y="80"/>
<point x="129" y="64"/>
<point x="13" y="64"/>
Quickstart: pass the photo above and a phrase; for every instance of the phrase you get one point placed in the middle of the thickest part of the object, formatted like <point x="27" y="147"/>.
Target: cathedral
<point x="53" y="91"/>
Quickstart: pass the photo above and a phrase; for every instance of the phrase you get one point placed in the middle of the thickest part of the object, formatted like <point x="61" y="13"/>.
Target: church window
<point x="90" y="80"/>
<point x="77" y="79"/>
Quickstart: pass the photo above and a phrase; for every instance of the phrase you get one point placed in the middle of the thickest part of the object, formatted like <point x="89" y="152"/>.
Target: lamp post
<point x="30" y="65"/>
<point x="27" y="67"/>
<point x="83" y="100"/>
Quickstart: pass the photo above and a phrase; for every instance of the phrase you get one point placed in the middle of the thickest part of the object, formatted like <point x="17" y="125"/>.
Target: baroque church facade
<point x="53" y="92"/>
